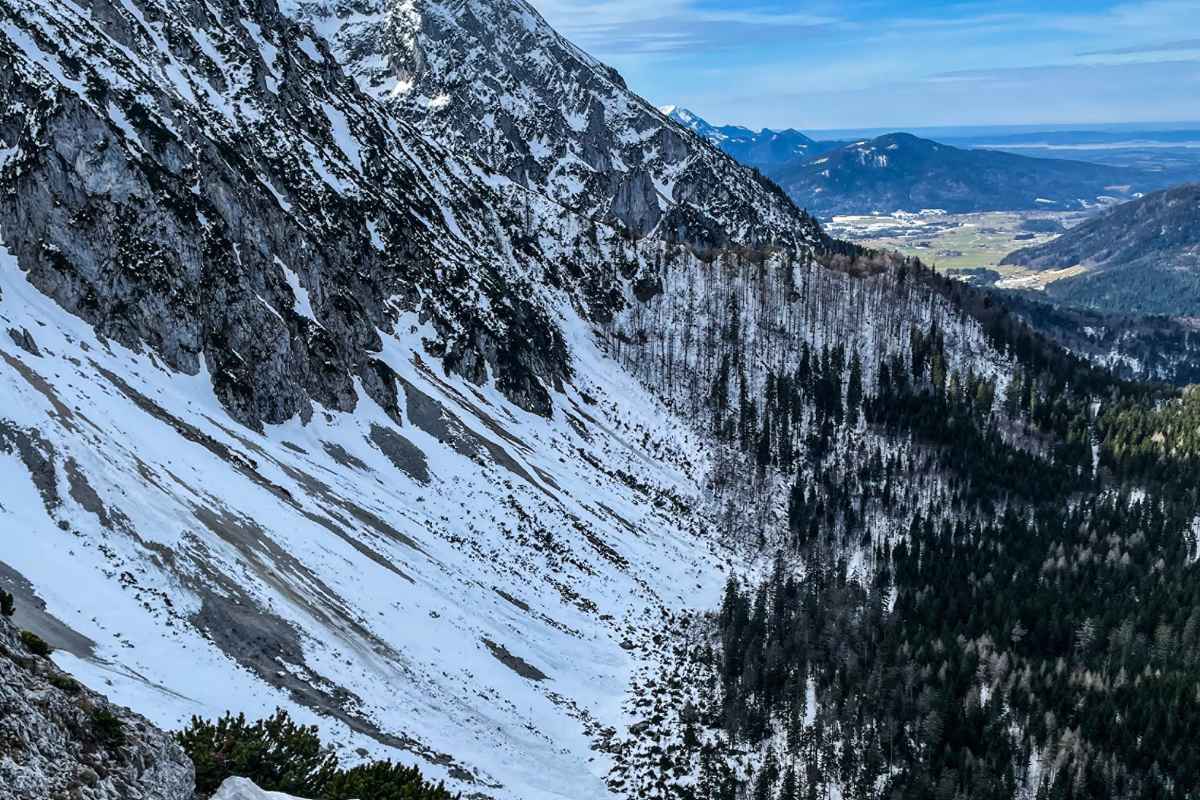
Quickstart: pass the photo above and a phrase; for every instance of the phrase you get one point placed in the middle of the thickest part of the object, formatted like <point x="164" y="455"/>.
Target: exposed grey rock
<point x="405" y="455"/>
<point x="494" y="79"/>
<point x="24" y="340"/>
<point x="248" y="211"/>
<point x="243" y="789"/>
<point x="515" y="663"/>
<point x="56" y="740"/>
<point x="38" y="457"/>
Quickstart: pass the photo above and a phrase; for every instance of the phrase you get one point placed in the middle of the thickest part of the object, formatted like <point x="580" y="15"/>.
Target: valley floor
<point x="968" y="246"/>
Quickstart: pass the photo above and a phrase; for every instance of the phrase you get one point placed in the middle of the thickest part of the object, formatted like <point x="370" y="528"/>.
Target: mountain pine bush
<point x="281" y="756"/>
<point x="107" y="728"/>
<point x="383" y="780"/>
<point x="275" y="753"/>
<point x="36" y="644"/>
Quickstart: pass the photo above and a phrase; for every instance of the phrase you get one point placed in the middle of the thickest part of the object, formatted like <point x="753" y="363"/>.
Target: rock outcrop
<point x="62" y="741"/>
<point x="245" y="789"/>
<point x="494" y="80"/>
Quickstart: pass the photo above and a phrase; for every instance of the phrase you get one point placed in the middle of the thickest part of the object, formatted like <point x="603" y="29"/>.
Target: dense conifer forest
<point x="984" y="582"/>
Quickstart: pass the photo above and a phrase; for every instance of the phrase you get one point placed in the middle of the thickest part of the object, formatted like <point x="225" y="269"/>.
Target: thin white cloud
<point x="821" y="60"/>
<point x="573" y="15"/>
<point x="621" y="26"/>
<point x="761" y="17"/>
<point x="1154" y="47"/>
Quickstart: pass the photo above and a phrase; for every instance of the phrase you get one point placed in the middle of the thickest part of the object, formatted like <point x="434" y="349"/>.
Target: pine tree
<point x="787" y="791"/>
<point x="765" y="449"/>
<point x="854" y="391"/>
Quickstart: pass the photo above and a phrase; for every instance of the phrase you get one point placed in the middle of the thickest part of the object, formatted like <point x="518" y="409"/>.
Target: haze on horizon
<point x="867" y="64"/>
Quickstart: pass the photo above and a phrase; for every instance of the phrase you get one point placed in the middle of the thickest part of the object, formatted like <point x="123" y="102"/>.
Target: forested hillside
<point x="980" y="563"/>
<point x="1140" y="257"/>
<point x="902" y="172"/>
<point x="1154" y="348"/>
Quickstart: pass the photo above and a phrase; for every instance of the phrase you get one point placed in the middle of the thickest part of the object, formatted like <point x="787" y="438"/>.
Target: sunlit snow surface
<point x="243" y="789"/>
<point x="552" y="541"/>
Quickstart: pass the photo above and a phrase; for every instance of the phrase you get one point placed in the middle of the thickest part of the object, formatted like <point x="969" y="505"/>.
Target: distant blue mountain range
<point x="975" y="170"/>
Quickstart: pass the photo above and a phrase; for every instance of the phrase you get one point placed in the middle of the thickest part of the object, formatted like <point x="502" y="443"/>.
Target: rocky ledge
<point x="62" y="741"/>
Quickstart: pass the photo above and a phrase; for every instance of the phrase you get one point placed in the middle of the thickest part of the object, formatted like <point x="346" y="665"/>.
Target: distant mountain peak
<point x="902" y="172"/>
<point x="695" y="123"/>
<point x="762" y="149"/>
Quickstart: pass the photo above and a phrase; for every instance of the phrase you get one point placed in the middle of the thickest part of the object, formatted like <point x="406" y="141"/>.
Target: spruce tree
<point x="854" y="391"/>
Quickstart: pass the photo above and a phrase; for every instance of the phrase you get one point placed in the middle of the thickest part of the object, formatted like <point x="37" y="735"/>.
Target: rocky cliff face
<point x="492" y="79"/>
<point x="59" y="740"/>
<point x="202" y="179"/>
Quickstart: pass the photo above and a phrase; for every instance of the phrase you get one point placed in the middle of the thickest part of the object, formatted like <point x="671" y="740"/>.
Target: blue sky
<point x="878" y="64"/>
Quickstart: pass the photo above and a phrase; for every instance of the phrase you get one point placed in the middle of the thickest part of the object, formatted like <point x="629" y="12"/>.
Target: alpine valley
<point x="392" y="364"/>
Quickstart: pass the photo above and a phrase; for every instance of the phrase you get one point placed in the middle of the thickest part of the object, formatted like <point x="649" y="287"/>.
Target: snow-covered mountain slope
<point x="215" y="248"/>
<point x="468" y="590"/>
<point x="491" y="79"/>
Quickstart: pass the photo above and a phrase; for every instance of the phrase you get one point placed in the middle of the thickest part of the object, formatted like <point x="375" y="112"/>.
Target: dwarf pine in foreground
<point x="282" y="756"/>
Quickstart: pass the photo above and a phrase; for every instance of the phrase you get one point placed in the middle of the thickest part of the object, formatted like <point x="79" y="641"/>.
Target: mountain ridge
<point x="1141" y="256"/>
<point x="903" y="172"/>
<point x="765" y="150"/>
<point x="498" y="84"/>
<point x="307" y="402"/>
<point x="417" y="546"/>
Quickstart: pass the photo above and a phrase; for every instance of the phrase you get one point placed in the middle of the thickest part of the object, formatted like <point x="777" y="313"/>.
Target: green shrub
<point x="275" y="753"/>
<point x="36" y="644"/>
<point x="383" y="780"/>
<point x="107" y="729"/>
<point x="8" y="604"/>
<point x="281" y="756"/>
<point x="64" y="682"/>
